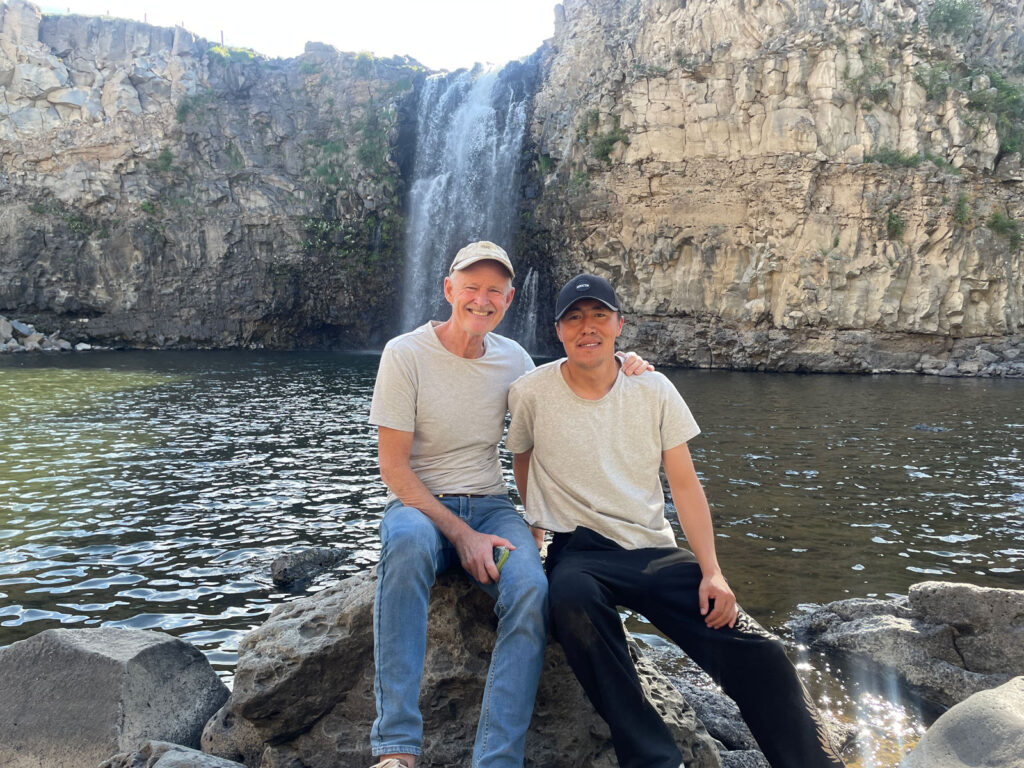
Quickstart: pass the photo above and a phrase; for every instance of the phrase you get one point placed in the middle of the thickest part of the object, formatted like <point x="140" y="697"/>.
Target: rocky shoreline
<point x="303" y="690"/>
<point x="966" y="358"/>
<point x="16" y="336"/>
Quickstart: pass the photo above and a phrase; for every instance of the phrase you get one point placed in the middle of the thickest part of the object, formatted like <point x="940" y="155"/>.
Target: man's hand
<point x="476" y="553"/>
<point x="715" y="587"/>
<point x="633" y="364"/>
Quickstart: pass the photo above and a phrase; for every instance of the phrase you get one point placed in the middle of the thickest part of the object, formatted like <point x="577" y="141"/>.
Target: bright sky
<point x="442" y="34"/>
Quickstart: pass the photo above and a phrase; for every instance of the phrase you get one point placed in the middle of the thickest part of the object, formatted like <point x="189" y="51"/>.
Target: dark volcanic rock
<point x="946" y="641"/>
<point x="303" y="690"/>
<point x="292" y="570"/>
<point x="73" y="697"/>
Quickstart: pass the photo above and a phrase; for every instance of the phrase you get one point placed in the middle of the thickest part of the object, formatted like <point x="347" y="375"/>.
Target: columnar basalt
<point x="155" y="189"/>
<point x="791" y="186"/>
<point x="773" y="185"/>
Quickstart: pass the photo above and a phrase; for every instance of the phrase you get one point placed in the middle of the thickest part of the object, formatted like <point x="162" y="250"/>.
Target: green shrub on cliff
<point x="193" y="104"/>
<point x="895" y="226"/>
<point x="227" y="53"/>
<point x="365" y="63"/>
<point x="604" y="144"/>
<point x="953" y="16"/>
<point x="641" y="70"/>
<point x="1005" y="100"/>
<point x="936" y="77"/>
<point x="1003" y="225"/>
<point x="893" y="157"/>
<point x="962" y="211"/>
<point x="354" y="243"/>
<point x="164" y="160"/>
<point x="579" y="183"/>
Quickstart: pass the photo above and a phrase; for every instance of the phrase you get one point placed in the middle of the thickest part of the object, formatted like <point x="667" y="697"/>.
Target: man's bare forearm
<point x="692" y="508"/>
<point x="411" y="491"/>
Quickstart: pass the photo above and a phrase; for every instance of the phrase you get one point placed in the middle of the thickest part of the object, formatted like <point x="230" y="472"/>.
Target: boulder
<point x="719" y="714"/>
<point x="303" y="692"/>
<point x="985" y="731"/>
<point x="160" y="754"/>
<point x="73" y="697"/>
<point x="946" y="641"/>
<point x="293" y="570"/>
<point x="744" y="758"/>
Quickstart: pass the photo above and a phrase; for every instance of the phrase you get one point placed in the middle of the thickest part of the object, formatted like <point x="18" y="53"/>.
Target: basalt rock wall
<point x="805" y="185"/>
<point x="158" y="190"/>
<point x="791" y="185"/>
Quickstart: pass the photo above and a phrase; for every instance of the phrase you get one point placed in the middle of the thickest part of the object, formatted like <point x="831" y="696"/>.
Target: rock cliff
<point x="155" y="189"/>
<point x="773" y="184"/>
<point x="791" y="185"/>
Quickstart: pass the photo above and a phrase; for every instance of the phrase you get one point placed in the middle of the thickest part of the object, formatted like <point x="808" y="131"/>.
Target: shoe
<point x="391" y="762"/>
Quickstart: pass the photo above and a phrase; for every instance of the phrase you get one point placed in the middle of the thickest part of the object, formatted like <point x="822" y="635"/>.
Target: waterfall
<point x="465" y="185"/>
<point x="524" y="322"/>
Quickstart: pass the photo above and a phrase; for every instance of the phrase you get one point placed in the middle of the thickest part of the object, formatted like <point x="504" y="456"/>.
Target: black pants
<point x="589" y="575"/>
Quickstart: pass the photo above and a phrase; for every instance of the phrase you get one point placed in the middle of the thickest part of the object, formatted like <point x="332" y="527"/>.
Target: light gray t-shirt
<point x="595" y="463"/>
<point x="454" y="407"/>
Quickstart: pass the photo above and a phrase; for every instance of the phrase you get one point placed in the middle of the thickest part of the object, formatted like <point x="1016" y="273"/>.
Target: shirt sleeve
<point x="528" y="364"/>
<point x="677" y="423"/>
<point x="520" y="429"/>
<point x="394" y="393"/>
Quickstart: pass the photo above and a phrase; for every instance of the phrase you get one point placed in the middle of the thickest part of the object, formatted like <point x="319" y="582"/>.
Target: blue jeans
<point x="413" y="553"/>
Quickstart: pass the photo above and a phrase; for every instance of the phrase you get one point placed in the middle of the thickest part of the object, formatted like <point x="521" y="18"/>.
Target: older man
<point x="439" y="404"/>
<point x="597" y="488"/>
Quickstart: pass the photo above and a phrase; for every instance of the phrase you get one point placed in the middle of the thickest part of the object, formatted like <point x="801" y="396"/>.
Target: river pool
<point x="153" y="489"/>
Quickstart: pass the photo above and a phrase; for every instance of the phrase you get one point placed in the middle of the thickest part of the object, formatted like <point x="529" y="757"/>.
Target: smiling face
<point x="588" y="330"/>
<point x="479" y="295"/>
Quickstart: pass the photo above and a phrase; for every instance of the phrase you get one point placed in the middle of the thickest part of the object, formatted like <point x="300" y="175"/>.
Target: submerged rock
<point x="303" y="690"/>
<point x="73" y="697"/>
<point x="985" y="731"/>
<point x="293" y="570"/>
<point x="946" y="641"/>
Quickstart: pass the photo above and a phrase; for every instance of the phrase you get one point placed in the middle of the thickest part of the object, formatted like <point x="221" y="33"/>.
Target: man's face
<point x="588" y="330"/>
<point x="479" y="295"/>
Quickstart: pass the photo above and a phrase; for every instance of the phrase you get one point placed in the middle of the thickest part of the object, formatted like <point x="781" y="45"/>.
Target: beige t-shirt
<point x="454" y="407"/>
<point x="595" y="462"/>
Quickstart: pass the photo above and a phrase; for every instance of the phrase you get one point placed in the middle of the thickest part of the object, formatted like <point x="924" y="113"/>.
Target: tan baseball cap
<point x="479" y="251"/>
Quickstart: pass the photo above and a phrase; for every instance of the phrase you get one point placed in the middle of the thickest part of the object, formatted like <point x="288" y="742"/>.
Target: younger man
<point x="588" y="444"/>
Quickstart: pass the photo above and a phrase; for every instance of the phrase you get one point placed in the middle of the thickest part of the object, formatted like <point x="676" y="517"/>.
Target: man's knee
<point x="574" y="597"/>
<point x="530" y="587"/>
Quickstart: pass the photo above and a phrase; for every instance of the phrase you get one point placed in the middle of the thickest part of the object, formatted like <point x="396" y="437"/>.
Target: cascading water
<point x="469" y="137"/>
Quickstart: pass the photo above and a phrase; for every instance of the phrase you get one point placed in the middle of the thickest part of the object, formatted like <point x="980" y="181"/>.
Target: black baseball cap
<point x="585" y="287"/>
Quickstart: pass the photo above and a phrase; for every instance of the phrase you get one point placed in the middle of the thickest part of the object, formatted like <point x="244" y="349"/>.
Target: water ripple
<point x="153" y="490"/>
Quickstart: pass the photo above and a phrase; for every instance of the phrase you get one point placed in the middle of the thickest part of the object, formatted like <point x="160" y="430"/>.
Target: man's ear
<point x="622" y="322"/>
<point x="558" y="330"/>
<point x="508" y="299"/>
<point x="449" y="291"/>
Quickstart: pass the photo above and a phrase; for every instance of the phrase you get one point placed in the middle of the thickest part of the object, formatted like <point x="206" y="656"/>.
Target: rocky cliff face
<point x="792" y="185"/>
<point x="781" y="185"/>
<point x="157" y="190"/>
